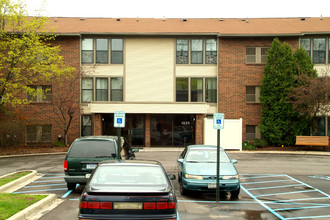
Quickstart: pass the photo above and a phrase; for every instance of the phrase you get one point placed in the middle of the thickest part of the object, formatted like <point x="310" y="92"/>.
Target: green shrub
<point x="59" y="144"/>
<point x="11" y="133"/>
<point x="248" y="146"/>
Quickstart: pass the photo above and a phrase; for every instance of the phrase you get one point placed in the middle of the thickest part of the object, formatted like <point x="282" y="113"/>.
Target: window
<point x="195" y="47"/>
<point x="102" y="50"/>
<point x="38" y="133"/>
<point x="211" y="51"/>
<point x="211" y="90"/>
<point x="87" y="50"/>
<point x="319" y="51"/>
<point x="87" y="90"/>
<point x="305" y="43"/>
<point x="40" y="94"/>
<point x="252" y="94"/>
<point x="328" y="50"/>
<point x="328" y="131"/>
<point x="256" y="55"/>
<point x="320" y="126"/>
<point x="102" y="89"/>
<point x="196" y="90"/>
<point x="86" y="125"/>
<point x="182" y="50"/>
<point x="116" y="89"/>
<point x="317" y="48"/>
<point x="117" y="51"/>
<point x="197" y="51"/>
<point x="251" y="132"/>
<point x="182" y="90"/>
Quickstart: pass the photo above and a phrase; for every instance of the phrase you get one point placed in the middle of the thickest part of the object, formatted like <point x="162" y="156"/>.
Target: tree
<point x="279" y="122"/>
<point x="310" y="97"/>
<point x="65" y="103"/>
<point x="26" y="55"/>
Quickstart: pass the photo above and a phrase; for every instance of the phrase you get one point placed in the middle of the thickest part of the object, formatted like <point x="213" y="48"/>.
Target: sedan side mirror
<point x="87" y="175"/>
<point x="234" y="161"/>
<point x="171" y="176"/>
<point x="180" y="160"/>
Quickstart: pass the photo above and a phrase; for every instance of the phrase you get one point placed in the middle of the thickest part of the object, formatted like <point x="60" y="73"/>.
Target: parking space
<point x="263" y="196"/>
<point x="302" y="192"/>
<point x="286" y="197"/>
<point x="48" y="183"/>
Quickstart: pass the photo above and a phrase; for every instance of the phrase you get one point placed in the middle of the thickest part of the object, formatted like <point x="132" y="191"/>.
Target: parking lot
<point x="273" y="186"/>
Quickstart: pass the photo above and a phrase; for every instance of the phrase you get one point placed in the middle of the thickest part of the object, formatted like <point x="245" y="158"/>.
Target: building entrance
<point x="172" y="130"/>
<point x="133" y="130"/>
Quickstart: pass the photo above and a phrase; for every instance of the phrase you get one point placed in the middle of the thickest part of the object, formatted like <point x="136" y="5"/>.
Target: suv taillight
<point x="65" y="165"/>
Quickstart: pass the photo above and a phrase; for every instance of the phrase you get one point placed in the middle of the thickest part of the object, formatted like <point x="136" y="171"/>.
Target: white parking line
<point x="286" y="202"/>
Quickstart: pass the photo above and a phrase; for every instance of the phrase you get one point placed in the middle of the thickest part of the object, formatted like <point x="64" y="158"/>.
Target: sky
<point x="181" y="8"/>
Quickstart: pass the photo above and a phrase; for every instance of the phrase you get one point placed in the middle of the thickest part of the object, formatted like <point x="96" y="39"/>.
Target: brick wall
<point x="43" y="113"/>
<point x="235" y="75"/>
<point x="199" y="129"/>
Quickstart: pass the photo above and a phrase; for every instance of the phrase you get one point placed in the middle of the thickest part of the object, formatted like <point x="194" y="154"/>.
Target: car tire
<point x="71" y="186"/>
<point x="183" y="191"/>
<point x="235" y="193"/>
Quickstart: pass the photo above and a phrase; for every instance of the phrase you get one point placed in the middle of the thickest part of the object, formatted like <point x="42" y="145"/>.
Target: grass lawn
<point x="10" y="204"/>
<point x="13" y="177"/>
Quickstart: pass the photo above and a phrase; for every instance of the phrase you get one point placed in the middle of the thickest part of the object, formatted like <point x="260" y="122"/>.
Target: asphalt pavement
<point x="308" y="169"/>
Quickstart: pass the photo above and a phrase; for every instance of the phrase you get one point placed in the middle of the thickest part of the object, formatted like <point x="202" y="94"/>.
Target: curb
<point x="33" y="209"/>
<point x="35" y="154"/>
<point x="8" y="188"/>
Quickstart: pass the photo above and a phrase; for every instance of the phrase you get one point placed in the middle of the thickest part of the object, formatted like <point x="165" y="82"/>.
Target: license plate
<point x="127" y="205"/>
<point x="212" y="186"/>
<point x="91" y="166"/>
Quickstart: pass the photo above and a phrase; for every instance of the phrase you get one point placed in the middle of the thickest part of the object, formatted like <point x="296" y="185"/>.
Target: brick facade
<point x="199" y="129"/>
<point x="43" y="113"/>
<point x="235" y="74"/>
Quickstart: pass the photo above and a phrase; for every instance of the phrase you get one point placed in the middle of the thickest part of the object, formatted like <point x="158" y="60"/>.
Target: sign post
<point x="218" y="123"/>
<point x="119" y="122"/>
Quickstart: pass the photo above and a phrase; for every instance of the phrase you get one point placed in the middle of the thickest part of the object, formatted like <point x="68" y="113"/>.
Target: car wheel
<point x="183" y="191"/>
<point x="71" y="186"/>
<point x="235" y="193"/>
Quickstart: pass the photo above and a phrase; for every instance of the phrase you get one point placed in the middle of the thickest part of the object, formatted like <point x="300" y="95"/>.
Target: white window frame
<point x="258" y="57"/>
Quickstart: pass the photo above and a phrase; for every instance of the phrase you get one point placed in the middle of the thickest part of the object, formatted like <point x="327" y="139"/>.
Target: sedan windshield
<point x="129" y="175"/>
<point x="206" y="156"/>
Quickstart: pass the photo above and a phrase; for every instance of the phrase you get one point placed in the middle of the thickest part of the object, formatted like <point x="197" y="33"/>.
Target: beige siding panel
<point x="196" y="71"/>
<point x="322" y="70"/>
<point x="104" y="70"/>
<point x="149" y="70"/>
<point x="142" y="108"/>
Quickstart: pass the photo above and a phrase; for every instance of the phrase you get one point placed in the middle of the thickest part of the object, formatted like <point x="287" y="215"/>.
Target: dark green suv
<point x="84" y="155"/>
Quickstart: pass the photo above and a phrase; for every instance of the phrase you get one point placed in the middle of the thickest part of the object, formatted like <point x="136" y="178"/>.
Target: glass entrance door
<point x="133" y="130"/>
<point x="172" y="130"/>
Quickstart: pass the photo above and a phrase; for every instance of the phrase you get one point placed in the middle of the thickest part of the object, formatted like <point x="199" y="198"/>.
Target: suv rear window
<point x="93" y="149"/>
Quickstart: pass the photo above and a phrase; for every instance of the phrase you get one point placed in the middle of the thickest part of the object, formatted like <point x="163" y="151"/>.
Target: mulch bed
<point x="293" y="148"/>
<point x="36" y="150"/>
<point x="31" y="150"/>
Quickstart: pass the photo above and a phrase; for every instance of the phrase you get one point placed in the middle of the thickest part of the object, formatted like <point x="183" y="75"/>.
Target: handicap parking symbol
<point x="119" y="120"/>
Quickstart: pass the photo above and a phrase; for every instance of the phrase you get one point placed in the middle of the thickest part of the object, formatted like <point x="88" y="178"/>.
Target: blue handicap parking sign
<point x="218" y="120"/>
<point x="119" y="120"/>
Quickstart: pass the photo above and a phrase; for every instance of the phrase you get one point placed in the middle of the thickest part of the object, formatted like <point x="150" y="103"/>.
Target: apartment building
<point x="168" y="75"/>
